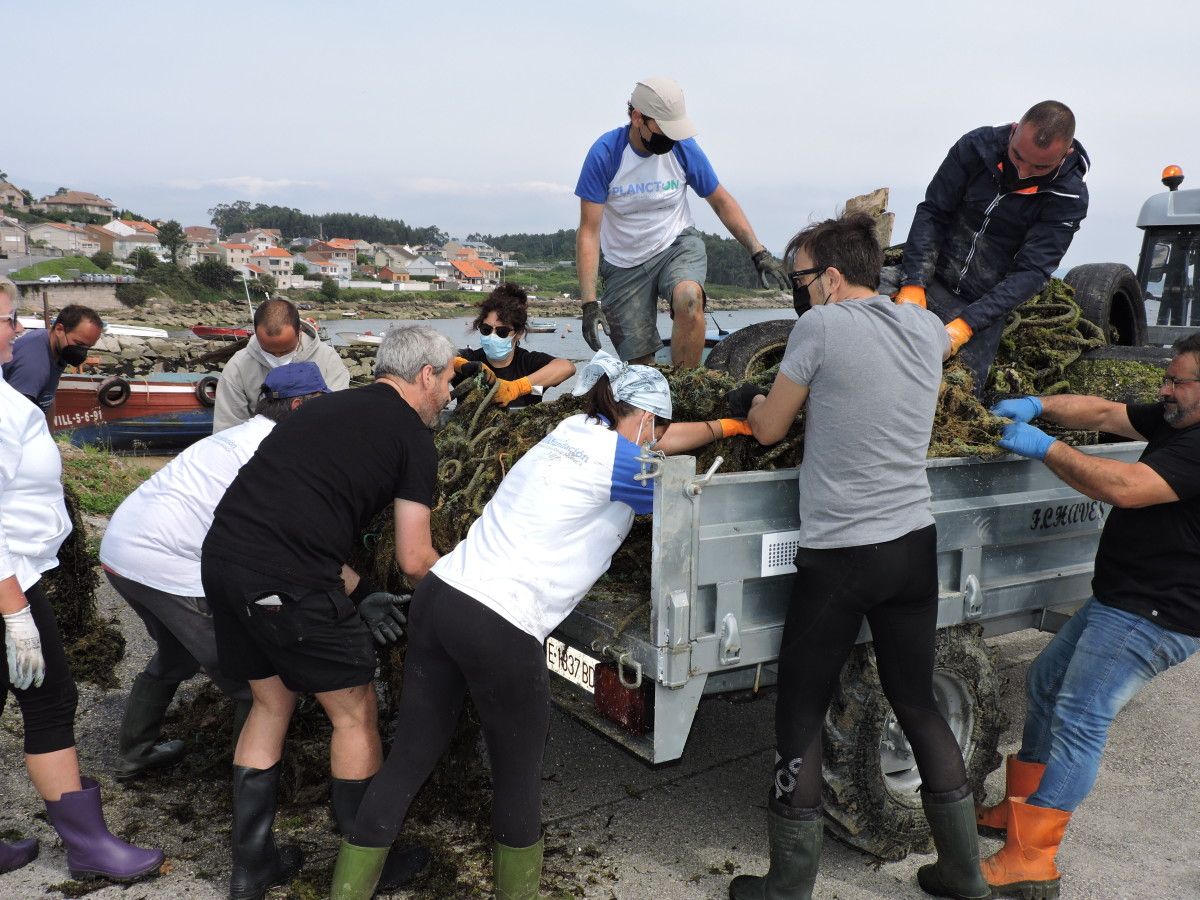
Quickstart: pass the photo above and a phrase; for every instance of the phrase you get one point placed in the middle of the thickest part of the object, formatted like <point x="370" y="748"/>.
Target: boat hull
<point x="160" y="412"/>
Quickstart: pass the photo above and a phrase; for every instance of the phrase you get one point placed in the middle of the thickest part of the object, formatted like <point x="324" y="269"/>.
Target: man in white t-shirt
<point x="151" y="555"/>
<point x="637" y="232"/>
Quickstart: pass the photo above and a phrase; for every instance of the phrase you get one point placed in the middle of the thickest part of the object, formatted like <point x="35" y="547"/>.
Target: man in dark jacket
<point x="995" y="223"/>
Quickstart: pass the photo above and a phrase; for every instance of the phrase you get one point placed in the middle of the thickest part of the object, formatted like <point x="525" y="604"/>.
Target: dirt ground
<point x="620" y="830"/>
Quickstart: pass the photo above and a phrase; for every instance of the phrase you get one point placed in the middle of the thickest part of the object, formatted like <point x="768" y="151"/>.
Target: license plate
<point x="578" y="668"/>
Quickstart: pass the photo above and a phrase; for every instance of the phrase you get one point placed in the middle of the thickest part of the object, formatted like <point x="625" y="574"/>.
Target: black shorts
<point x="312" y="639"/>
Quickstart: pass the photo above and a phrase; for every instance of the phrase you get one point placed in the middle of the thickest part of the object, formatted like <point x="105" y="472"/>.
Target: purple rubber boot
<point x="92" y="850"/>
<point x="13" y="856"/>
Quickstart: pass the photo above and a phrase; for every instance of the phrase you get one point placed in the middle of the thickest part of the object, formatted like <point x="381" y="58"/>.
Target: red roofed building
<point x="276" y="261"/>
<point x="387" y="274"/>
<point x="236" y="254"/>
<point x="200" y="234"/>
<point x="76" y="201"/>
<point x="475" y="272"/>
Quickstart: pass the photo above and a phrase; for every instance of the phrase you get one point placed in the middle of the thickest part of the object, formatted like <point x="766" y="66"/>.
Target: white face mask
<point x="276" y="361"/>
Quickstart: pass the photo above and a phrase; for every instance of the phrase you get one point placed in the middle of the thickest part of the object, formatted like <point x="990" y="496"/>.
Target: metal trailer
<point x="1015" y="550"/>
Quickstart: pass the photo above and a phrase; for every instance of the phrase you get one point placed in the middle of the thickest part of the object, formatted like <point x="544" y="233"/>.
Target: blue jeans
<point x="1076" y="687"/>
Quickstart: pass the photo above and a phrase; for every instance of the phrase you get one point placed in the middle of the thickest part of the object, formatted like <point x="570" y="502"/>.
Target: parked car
<point x="50" y="279"/>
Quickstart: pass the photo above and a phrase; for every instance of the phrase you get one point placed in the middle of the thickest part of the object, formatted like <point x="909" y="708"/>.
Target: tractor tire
<point x="872" y="801"/>
<point x="752" y="350"/>
<point x="1110" y="297"/>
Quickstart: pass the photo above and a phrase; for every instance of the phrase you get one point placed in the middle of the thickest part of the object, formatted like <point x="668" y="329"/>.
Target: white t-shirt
<point x="644" y="197"/>
<point x="33" y="517"/>
<point x="155" y="536"/>
<point x="552" y="526"/>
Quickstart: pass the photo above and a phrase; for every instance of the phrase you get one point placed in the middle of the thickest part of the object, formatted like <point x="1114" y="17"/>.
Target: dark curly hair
<point x="509" y="303"/>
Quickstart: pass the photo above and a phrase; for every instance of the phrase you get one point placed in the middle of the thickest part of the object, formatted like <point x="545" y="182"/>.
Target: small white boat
<point x="541" y="326"/>
<point x="113" y="328"/>
<point x="365" y="337"/>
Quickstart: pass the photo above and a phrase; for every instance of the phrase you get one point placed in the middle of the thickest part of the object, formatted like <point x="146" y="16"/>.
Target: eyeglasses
<point x="11" y="319"/>
<point x="502" y="331"/>
<point x="800" y="273"/>
<point x="1176" y="382"/>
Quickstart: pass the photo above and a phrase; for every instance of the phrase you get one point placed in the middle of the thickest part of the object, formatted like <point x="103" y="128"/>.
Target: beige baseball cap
<point x="661" y="99"/>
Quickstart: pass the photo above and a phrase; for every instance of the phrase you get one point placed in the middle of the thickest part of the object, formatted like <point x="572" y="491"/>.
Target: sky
<point x="476" y="116"/>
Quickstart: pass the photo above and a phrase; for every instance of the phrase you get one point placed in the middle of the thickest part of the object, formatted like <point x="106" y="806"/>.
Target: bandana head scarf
<point x="639" y="386"/>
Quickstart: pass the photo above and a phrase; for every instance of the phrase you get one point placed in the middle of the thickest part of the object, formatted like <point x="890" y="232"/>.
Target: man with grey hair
<point x="290" y="616"/>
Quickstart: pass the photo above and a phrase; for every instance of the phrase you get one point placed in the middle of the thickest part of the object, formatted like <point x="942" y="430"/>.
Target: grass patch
<point x="59" y="267"/>
<point x="101" y="479"/>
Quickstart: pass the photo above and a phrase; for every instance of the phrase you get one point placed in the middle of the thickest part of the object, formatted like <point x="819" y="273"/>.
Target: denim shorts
<point x="630" y="299"/>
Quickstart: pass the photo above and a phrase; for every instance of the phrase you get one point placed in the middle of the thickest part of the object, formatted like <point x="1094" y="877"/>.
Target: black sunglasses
<point x="502" y="331"/>
<point x="800" y="273"/>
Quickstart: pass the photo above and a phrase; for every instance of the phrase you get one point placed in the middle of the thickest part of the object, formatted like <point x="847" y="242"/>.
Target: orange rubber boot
<point x="1021" y="779"/>
<point x="1025" y="866"/>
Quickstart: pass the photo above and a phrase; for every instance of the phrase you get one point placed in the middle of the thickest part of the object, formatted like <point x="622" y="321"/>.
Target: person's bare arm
<point x="414" y="543"/>
<point x="554" y="372"/>
<point x="587" y="248"/>
<point x="12" y="598"/>
<point x="729" y="211"/>
<point x="771" y="416"/>
<point x="1122" y="484"/>
<point x="1088" y="414"/>
<point x="680" y="437"/>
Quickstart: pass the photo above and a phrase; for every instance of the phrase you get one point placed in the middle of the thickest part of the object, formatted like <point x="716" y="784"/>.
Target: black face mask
<point x="658" y="144"/>
<point x="73" y="355"/>
<point x="800" y="300"/>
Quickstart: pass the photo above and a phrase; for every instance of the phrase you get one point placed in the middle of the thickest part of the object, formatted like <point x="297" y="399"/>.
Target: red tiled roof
<point x="473" y="268"/>
<point x="237" y="246"/>
<point x="273" y="251"/>
<point x="144" y="227"/>
<point x="77" y="198"/>
<point x="255" y="269"/>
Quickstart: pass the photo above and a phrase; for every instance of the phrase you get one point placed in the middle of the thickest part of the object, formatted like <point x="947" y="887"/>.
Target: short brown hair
<point x="509" y="303"/>
<point x="1050" y="121"/>
<point x="847" y="243"/>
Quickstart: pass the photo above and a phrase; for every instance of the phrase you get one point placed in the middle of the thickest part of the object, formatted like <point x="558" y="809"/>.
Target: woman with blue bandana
<point x="480" y="618"/>
<point x="523" y="374"/>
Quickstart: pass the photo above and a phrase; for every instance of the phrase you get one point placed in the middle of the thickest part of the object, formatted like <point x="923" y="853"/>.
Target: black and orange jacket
<point x="992" y="246"/>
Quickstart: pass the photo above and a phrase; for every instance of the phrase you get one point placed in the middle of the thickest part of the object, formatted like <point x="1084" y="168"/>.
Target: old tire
<point x="206" y="390"/>
<point x="1110" y="297"/>
<point x="871" y="780"/>
<point x="752" y="350"/>
<point x="112" y="392"/>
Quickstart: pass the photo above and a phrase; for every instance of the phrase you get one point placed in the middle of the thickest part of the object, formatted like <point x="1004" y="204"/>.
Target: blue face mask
<point x="496" y="347"/>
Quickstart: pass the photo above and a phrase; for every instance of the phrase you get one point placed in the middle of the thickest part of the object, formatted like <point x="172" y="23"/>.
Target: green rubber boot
<point x="517" y="871"/>
<point x="795" y="837"/>
<point x="357" y="871"/>
<point x="137" y="747"/>
<point x="956" y="873"/>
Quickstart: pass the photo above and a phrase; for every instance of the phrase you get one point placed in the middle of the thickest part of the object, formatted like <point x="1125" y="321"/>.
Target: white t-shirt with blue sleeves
<point x="644" y="197"/>
<point x="552" y="527"/>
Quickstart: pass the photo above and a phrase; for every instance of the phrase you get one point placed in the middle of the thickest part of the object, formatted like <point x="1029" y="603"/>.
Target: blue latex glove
<point x="1019" y="409"/>
<point x="1026" y="440"/>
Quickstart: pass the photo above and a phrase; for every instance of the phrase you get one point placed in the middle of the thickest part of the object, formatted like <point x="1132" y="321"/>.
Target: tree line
<point x="231" y="218"/>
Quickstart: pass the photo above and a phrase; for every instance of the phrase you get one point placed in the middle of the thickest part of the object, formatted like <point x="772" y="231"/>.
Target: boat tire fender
<point x="206" y="390"/>
<point x="113" y="391"/>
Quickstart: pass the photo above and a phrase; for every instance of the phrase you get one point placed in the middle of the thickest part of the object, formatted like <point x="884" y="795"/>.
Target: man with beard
<point x="636" y="230"/>
<point x="290" y="617"/>
<point x="996" y="220"/>
<point x="40" y="356"/>
<point x="279" y="338"/>
<point x="1143" y="617"/>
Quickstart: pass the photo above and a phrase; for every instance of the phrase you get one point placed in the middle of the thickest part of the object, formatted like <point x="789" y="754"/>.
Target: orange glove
<point x="730" y="427"/>
<point x="460" y="363"/>
<point x="511" y="390"/>
<point x="911" y="293"/>
<point x="960" y="332"/>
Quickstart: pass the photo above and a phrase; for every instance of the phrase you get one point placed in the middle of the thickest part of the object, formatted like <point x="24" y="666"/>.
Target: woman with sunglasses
<point x="480" y="618"/>
<point x="523" y="374"/>
<point x="33" y="525"/>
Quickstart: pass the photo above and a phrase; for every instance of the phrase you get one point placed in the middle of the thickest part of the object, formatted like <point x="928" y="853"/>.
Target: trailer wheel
<point x="872" y="799"/>
<point x="1110" y="297"/>
<point x="752" y="350"/>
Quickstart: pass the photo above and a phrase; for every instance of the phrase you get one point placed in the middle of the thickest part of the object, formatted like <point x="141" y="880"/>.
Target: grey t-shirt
<point x="873" y="369"/>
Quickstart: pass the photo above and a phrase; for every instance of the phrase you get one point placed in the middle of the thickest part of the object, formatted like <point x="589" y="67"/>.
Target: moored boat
<point x="541" y="326"/>
<point x="114" y="328"/>
<point x="164" y="411"/>
<point x="361" y="337"/>
<point x="221" y="332"/>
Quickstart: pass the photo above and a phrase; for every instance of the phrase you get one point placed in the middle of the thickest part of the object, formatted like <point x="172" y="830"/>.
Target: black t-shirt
<point x="1149" y="558"/>
<point x="524" y="362"/>
<point x="298" y="506"/>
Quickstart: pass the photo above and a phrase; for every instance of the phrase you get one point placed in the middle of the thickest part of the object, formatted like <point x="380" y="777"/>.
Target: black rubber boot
<point x="403" y="863"/>
<point x="795" y="837"/>
<point x="952" y="821"/>
<point x="144" y="713"/>
<point x="257" y="863"/>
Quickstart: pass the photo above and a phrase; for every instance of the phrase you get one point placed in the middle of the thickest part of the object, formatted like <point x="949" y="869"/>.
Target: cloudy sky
<point x="476" y="116"/>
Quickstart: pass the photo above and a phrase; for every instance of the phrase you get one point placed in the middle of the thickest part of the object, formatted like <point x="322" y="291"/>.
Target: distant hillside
<point x="728" y="262"/>
<point x="242" y="216"/>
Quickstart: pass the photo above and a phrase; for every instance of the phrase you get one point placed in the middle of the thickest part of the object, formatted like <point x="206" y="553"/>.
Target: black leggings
<point x="894" y="585"/>
<point x="456" y="644"/>
<point x="47" y="712"/>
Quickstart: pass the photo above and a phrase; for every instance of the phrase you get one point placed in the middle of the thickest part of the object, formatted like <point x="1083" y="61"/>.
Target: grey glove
<point x="381" y="613"/>
<point x="770" y="271"/>
<point x="593" y="315"/>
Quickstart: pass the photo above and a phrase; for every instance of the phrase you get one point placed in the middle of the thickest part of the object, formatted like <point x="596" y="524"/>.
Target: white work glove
<point x="23" y="646"/>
